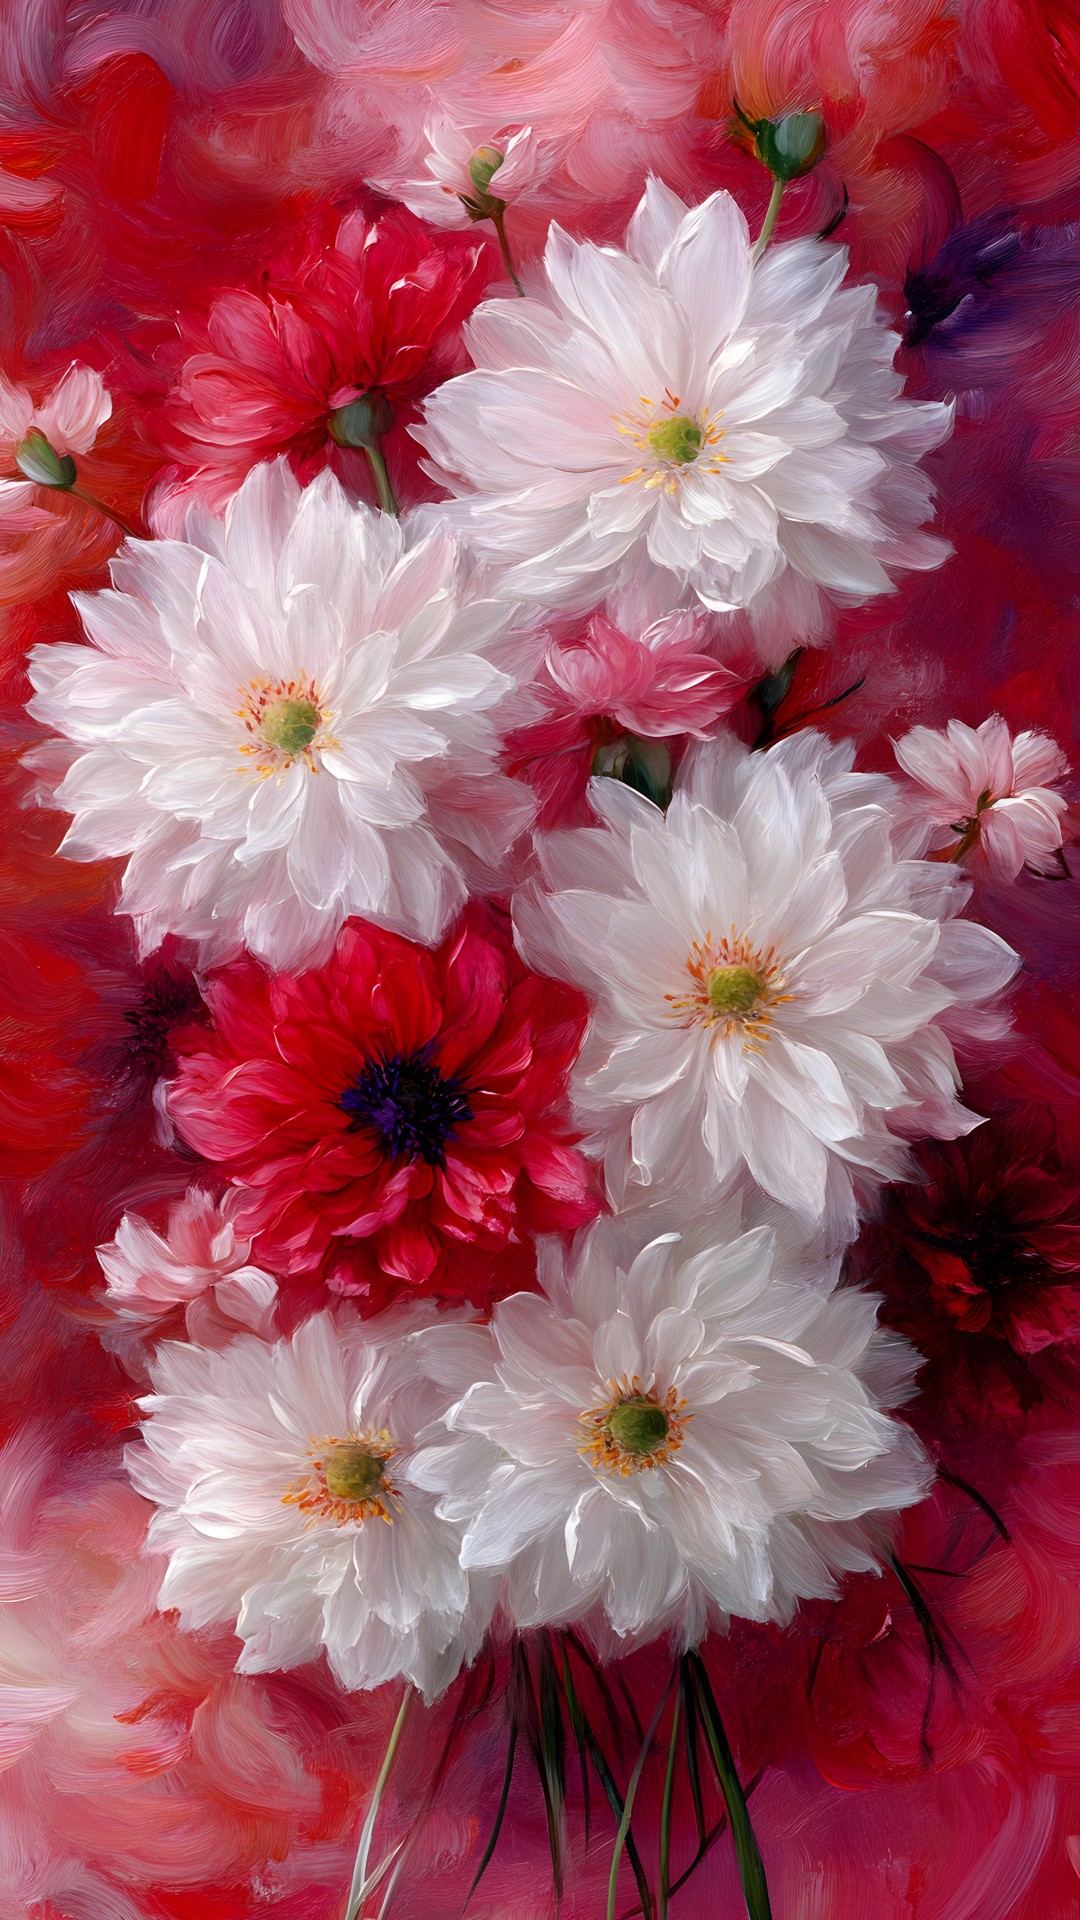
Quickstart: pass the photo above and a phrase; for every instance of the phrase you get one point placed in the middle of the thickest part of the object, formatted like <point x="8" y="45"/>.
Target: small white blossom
<point x="68" y="418"/>
<point x="468" y="164"/>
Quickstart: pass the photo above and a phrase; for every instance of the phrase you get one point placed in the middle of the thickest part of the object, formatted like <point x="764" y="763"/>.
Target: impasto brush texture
<point x="539" y="944"/>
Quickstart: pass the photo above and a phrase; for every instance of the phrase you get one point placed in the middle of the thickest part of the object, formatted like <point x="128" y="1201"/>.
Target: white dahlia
<point x="286" y="1505"/>
<point x="679" y="1432"/>
<point x="740" y="423"/>
<point x="286" y="719"/>
<point x="771" y="981"/>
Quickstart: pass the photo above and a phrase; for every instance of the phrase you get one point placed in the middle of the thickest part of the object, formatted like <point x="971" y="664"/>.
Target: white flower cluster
<point x="298" y="714"/>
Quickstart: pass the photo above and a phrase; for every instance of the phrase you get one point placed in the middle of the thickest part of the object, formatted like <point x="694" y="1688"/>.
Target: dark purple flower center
<point x="411" y="1105"/>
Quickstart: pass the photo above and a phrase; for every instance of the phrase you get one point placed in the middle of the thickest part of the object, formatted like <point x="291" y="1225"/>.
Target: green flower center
<point x="290" y="725"/>
<point x="734" y="990"/>
<point x="678" y="439"/>
<point x="352" y="1473"/>
<point x="638" y="1426"/>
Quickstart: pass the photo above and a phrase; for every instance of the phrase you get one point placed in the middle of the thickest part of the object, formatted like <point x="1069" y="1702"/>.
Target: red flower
<point x="358" y="317"/>
<point x="393" y="1117"/>
<point x="988" y="1273"/>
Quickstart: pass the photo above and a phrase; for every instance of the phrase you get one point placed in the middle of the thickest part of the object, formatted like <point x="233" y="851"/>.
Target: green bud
<point x="790" y="146"/>
<point x="38" y="459"/>
<point x="484" y="164"/>
<point x="771" y="692"/>
<point x="644" y="765"/>
<point x="363" y="422"/>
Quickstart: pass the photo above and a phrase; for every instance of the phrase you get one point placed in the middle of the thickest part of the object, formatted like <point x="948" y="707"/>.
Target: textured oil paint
<point x="538" y="959"/>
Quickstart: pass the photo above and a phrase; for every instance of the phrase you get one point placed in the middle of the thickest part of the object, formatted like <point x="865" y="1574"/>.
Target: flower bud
<point x="771" y="692"/>
<point x="38" y="459"/>
<point x="484" y="164"/>
<point x="363" y="422"/>
<point x="790" y="146"/>
<point x="644" y="765"/>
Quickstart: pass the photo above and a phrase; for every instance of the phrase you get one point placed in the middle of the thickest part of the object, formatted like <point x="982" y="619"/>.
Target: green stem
<point x="360" y="1873"/>
<point x="750" y="1864"/>
<point x="771" y="212"/>
<point x="89" y="500"/>
<point x="628" y="1803"/>
<point x="665" y="1816"/>
<point x="498" y="221"/>
<point x="383" y="488"/>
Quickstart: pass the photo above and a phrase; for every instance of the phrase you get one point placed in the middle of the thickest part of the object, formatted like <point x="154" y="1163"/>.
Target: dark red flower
<point x="353" y="319"/>
<point x="982" y="1259"/>
<point x="394" y="1117"/>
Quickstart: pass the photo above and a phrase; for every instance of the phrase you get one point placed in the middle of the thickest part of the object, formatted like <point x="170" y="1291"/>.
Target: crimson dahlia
<point x="348" y="325"/>
<point x="392" y="1119"/>
<point x="982" y="1262"/>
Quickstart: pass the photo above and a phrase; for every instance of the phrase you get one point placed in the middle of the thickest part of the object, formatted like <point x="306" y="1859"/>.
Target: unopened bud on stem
<point x="362" y="422"/>
<point x="38" y="459"/>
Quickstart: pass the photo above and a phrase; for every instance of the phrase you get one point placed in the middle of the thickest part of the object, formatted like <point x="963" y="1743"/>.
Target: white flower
<point x="741" y="424"/>
<point x="282" y="1478"/>
<point x="692" y="1433"/>
<point x="983" y="793"/>
<point x="199" y="1263"/>
<point x="769" y="979"/>
<point x="68" y="418"/>
<point x="286" y="720"/>
<point x="464" y="163"/>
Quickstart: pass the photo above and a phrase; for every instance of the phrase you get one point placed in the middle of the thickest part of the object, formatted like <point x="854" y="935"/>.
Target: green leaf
<point x="771" y="692"/>
<point x="361" y="1885"/>
<point x="546" y="1745"/>
<point x="612" y="1794"/>
<point x="628" y="1803"/>
<point x="665" y="1815"/>
<point x="577" y="1724"/>
<point x="500" y="1811"/>
<point x="748" y="1858"/>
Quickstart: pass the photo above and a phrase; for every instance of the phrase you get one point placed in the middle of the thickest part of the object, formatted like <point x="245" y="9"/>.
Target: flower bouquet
<point x="540" y="1102"/>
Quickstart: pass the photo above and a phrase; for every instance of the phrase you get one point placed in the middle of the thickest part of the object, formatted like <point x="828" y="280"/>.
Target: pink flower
<point x="982" y="793"/>
<point x="604" y="683"/>
<point x="199" y="1262"/>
